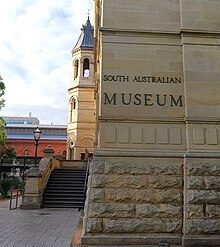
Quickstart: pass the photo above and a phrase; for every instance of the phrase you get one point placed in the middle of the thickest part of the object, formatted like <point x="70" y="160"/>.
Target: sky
<point x="36" y="39"/>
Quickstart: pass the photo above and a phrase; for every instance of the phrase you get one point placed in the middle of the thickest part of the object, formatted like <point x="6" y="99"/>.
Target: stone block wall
<point x="202" y="201"/>
<point x="135" y="198"/>
<point x="153" y="201"/>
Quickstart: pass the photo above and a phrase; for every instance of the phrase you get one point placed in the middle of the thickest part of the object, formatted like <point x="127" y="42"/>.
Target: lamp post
<point x="37" y="135"/>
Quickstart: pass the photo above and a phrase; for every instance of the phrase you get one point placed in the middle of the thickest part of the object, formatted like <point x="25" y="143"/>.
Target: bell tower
<point x="81" y="113"/>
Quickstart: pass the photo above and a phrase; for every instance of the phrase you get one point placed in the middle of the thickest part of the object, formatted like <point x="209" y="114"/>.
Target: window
<point x="26" y="152"/>
<point x="72" y="108"/>
<point x="86" y="71"/>
<point x="64" y="154"/>
<point x="76" y="69"/>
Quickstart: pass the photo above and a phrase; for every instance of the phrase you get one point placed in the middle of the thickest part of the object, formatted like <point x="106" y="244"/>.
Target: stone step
<point x="65" y="205"/>
<point x="65" y="188"/>
<point x="67" y="178"/>
<point x="81" y="183"/>
<point x="58" y="195"/>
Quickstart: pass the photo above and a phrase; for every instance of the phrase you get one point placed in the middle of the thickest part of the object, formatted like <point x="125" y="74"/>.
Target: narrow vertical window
<point x="26" y="152"/>
<point x="76" y="69"/>
<point x="72" y="108"/>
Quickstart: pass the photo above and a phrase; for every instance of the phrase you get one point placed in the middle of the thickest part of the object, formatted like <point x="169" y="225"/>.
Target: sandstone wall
<point x="135" y="198"/>
<point x="202" y="200"/>
<point x="155" y="176"/>
<point x="154" y="201"/>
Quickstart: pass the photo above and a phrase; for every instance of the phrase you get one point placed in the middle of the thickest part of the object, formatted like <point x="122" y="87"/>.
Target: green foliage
<point x="5" y="186"/>
<point x="17" y="184"/>
<point x="2" y="92"/>
<point x="9" y="152"/>
<point x="2" y="132"/>
<point x="2" y="122"/>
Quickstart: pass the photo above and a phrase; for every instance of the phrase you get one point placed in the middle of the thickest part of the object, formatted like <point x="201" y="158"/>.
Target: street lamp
<point x="37" y="135"/>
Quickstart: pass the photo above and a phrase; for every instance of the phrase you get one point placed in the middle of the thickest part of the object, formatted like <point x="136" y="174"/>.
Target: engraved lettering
<point x="123" y="99"/>
<point x="109" y="101"/>
<point x="159" y="100"/>
<point x="177" y="102"/>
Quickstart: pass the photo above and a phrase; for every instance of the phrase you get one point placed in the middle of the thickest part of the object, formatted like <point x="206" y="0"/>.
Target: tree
<point x="2" y="132"/>
<point x="2" y="122"/>
<point x="2" y="92"/>
<point x="9" y="152"/>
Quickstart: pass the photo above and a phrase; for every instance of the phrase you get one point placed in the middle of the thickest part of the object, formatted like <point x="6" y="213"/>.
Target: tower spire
<point x="88" y="13"/>
<point x="86" y="39"/>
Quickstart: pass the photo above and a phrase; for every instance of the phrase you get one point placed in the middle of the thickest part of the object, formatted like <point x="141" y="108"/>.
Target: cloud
<point x="35" y="55"/>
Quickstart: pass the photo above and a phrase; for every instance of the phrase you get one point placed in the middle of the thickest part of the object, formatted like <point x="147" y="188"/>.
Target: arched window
<point x="26" y="152"/>
<point x="64" y="154"/>
<point x="76" y="69"/>
<point x="72" y="108"/>
<point x="86" y="71"/>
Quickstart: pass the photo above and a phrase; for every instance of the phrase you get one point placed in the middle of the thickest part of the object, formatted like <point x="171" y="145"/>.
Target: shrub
<point x="9" y="152"/>
<point x="17" y="183"/>
<point x="5" y="186"/>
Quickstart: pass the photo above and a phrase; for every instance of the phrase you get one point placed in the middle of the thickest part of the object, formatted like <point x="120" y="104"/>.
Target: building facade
<point x="20" y="134"/>
<point x="155" y="176"/>
<point x="81" y="115"/>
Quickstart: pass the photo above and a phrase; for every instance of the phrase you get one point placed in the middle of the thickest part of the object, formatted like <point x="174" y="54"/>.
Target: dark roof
<point x="86" y="39"/>
<point x="25" y="131"/>
<point x="21" y="120"/>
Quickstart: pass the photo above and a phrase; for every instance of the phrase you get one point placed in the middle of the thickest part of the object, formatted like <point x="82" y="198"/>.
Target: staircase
<point x="65" y="189"/>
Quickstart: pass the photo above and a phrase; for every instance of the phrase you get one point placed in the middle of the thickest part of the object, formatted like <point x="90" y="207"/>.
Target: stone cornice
<point x="81" y="86"/>
<point x="142" y="120"/>
<point x="188" y="32"/>
<point x="138" y="154"/>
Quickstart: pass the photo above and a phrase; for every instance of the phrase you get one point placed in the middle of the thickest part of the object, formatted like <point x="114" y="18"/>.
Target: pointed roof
<point x="86" y="39"/>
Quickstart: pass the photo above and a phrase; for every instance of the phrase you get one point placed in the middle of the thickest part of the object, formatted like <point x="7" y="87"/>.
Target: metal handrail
<point x="86" y="181"/>
<point x="15" y="193"/>
<point x="20" y="161"/>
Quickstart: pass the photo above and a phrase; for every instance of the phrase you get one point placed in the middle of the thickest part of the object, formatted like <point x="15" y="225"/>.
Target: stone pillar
<point x="32" y="198"/>
<point x="202" y="200"/>
<point x="201" y="52"/>
<point x="48" y="152"/>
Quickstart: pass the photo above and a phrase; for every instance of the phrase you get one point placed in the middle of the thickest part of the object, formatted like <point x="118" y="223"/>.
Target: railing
<point x="21" y="162"/>
<point x="45" y="176"/>
<point x="51" y="164"/>
<point x="15" y="193"/>
<point x="86" y="180"/>
<point x="36" y="180"/>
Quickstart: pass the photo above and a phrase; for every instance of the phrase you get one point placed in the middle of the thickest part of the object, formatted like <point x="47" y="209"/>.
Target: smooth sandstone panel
<point x="202" y="75"/>
<point x="202" y="15"/>
<point x="143" y="136"/>
<point x="142" y="15"/>
<point x="142" y="81"/>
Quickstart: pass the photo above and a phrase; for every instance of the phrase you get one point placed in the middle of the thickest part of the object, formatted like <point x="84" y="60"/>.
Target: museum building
<point x="155" y="175"/>
<point x="20" y="134"/>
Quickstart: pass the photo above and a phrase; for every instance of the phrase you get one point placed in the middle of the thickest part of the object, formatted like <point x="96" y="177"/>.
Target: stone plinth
<point x="36" y="179"/>
<point x="32" y="198"/>
<point x="202" y="201"/>
<point x="130" y="202"/>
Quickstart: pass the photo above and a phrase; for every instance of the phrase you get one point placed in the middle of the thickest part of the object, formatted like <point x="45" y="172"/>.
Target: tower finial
<point x="88" y="13"/>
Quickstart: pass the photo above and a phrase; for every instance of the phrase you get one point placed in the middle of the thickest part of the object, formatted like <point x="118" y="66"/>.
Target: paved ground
<point x="36" y="228"/>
